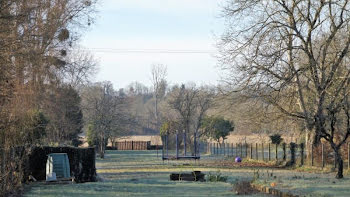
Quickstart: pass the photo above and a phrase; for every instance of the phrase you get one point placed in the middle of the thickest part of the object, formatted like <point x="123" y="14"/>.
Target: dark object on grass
<point x="191" y="176"/>
<point x="238" y="160"/>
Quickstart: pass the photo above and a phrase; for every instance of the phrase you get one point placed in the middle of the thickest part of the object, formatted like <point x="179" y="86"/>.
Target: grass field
<point x="142" y="173"/>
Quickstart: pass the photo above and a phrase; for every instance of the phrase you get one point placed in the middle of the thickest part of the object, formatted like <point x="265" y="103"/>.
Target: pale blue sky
<point x="131" y="35"/>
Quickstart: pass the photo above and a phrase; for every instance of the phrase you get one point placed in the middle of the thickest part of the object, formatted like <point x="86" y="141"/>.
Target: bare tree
<point x="190" y="105"/>
<point x="293" y="55"/>
<point x="106" y="110"/>
<point x="159" y="73"/>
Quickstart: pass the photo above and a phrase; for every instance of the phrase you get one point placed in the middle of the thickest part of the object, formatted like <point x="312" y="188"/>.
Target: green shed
<point x="59" y="164"/>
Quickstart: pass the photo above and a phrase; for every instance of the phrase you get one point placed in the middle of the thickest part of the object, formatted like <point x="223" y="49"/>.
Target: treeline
<point x="41" y="67"/>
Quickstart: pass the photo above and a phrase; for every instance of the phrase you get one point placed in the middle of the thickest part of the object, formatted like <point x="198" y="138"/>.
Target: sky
<point x="129" y="36"/>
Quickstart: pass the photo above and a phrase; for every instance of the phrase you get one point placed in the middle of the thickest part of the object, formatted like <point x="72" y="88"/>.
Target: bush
<point x="216" y="177"/>
<point x="276" y="139"/>
<point x="244" y="188"/>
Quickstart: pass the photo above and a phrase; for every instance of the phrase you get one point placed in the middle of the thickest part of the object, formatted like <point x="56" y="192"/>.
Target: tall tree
<point x="159" y="73"/>
<point x="189" y="105"/>
<point x="105" y="113"/>
<point x="33" y="38"/>
<point x="293" y="55"/>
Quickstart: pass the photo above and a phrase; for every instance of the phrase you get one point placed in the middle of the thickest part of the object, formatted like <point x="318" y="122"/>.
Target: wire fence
<point x="321" y="155"/>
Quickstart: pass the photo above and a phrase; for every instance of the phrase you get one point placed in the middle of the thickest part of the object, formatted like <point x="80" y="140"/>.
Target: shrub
<point x="276" y="139"/>
<point x="244" y="188"/>
<point x="216" y="177"/>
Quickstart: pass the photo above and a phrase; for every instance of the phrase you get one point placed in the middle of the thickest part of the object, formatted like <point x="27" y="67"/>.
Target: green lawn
<point x="141" y="173"/>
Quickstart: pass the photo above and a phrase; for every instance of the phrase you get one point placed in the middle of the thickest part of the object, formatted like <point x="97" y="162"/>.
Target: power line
<point x="169" y="51"/>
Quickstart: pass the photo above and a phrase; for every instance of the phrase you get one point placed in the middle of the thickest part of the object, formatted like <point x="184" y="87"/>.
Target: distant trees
<point x="293" y="56"/>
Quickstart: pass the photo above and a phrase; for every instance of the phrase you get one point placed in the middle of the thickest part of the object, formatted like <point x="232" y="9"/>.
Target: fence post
<point x="251" y="150"/>
<point x="2" y="168"/>
<point x="262" y="151"/>
<point x="184" y="135"/>
<point x="348" y="156"/>
<point x="302" y="154"/>
<point x="223" y="143"/>
<point x="177" y="145"/>
<point x="312" y="155"/>
<point x="284" y="151"/>
<point x="322" y="147"/>
<point x="269" y="152"/>
<point x="276" y="152"/>
<point x="167" y="147"/>
<point x="246" y="150"/>
<point x="236" y="150"/>
<point x="292" y="153"/>
<point x="335" y="161"/>
<point x="240" y="147"/>
<point x="132" y="145"/>
<point x="217" y="148"/>
<point x="256" y="152"/>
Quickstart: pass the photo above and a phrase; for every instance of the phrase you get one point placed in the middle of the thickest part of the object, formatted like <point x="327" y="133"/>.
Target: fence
<point x="321" y="155"/>
<point x="132" y="145"/>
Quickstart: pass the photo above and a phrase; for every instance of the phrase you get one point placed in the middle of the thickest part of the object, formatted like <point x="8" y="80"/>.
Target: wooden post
<point x="276" y="152"/>
<point x="236" y="150"/>
<point x="322" y="150"/>
<point x="185" y="151"/>
<point x="262" y="151"/>
<point x="167" y="146"/>
<point x="223" y="144"/>
<point x="335" y="161"/>
<point x="302" y="154"/>
<point x="240" y="146"/>
<point x="269" y="152"/>
<point x="312" y="155"/>
<point x="284" y="151"/>
<point x="256" y="152"/>
<point x="348" y="156"/>
<point x="177" y="145"/>
<point x="132" y="145"/>
<point x="246" y="150"/>
<point x="217" y="148"/>
<point x="232" y="149"/>
<point x="251" y="150"/>
<point x="195" y="143"/>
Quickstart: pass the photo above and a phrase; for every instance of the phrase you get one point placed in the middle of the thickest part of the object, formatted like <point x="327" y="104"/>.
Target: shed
<point x="58" y="163"/>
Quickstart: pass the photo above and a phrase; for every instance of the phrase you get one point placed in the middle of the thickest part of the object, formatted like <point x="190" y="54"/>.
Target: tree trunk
<point x="339" y="162"/>
<point x="309" y="141"/>
<point x="102" y="144"/>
